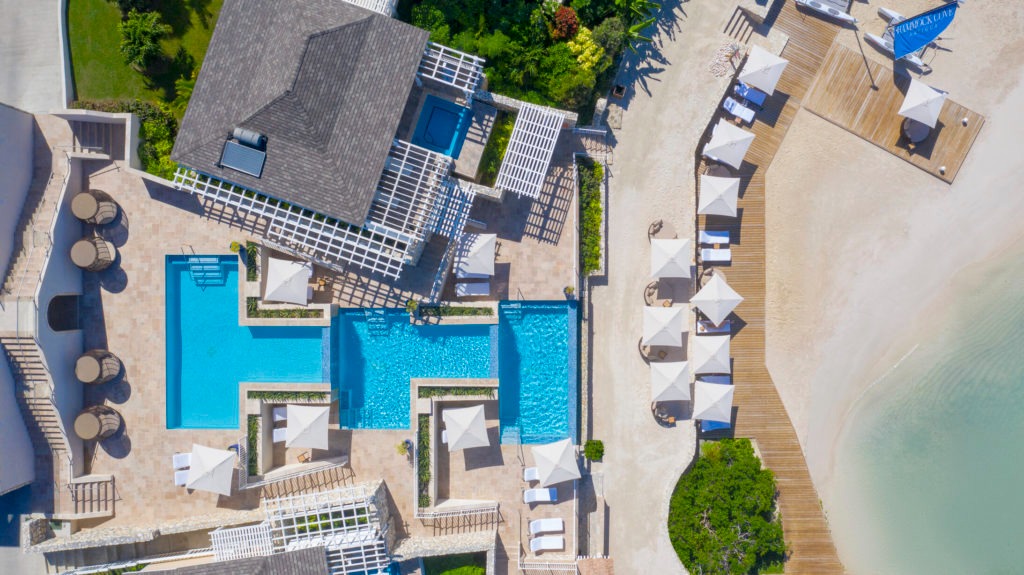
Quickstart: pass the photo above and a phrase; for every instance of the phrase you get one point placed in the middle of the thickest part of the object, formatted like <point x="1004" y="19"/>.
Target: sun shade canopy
<point x="712" y="401"/>
<point x="710" y="354"/>
<point x="670" y="381"/>
<point x="211" y="469"/>
<point x="671" y="258"/>
<point x="663" y="326"/>
<point x="556" y="462"/>
<point x="287" y="281"/>
<point x="718" y="196"/>
<point x="475" y="255"/>
<point x="716" y="299"/>
<point x="466" y="427"/>
<point x="762" y="70"/>
<point x="728" y="144"/>
<point x="923" y="103"/>
<point x="307" y="426"/>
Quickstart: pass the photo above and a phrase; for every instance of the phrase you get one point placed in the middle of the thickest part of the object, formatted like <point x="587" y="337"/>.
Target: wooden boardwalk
<point x="759" y="411"/>
<point x="843" y="94"/>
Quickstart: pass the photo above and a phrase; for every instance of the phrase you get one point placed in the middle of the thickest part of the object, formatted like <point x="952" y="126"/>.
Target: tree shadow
<point x="177" y="14"/>
<point x="164" y="72"/>
<point x="201" y="8"/>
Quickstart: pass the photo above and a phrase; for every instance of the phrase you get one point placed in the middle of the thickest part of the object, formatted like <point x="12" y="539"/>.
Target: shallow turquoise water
<point x="929" y="468"/>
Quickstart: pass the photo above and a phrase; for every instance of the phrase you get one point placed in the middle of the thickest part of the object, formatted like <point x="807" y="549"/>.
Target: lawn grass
<point x="472" y="564"/>
<point x="99" y="70"/>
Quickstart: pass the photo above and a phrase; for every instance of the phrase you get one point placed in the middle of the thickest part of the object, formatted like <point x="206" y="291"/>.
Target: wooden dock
<point x="864" y="98"/>
<point x="759" y="411"/>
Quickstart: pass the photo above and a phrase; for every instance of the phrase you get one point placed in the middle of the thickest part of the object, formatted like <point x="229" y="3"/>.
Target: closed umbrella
<point x="718" y="196"/>
<point x="716" y="299"/>
<point x="670" y="381"/>
<point x="762" y="70"/>
<point x="670" y="258"/>
<point x="307" y="426"/>
<point x="465" y="427"/>
<point x="728" y="144"/>
<point x="211" y="469"/>
<point x="712" y="401"/>
<point x="287" y="281"/>
<point x="663" y="326"/>
<point x="710" y="354"/>
<point x="556" y="462"/>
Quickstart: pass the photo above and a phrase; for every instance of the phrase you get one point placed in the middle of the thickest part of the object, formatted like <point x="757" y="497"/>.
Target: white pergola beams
<point x="529" y="151"/>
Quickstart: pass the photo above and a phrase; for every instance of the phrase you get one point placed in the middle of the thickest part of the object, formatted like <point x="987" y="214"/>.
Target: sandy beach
<point x="862" y="246"/>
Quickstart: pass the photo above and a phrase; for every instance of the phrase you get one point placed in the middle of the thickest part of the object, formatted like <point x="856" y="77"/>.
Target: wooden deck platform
<point x="843" y="94"/>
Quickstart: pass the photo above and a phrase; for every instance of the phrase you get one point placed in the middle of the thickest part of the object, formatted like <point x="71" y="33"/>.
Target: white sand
<point x="862" y="246"/>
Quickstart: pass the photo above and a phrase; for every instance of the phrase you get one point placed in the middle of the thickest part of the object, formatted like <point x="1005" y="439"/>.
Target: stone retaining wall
<point x="512" y="105"/>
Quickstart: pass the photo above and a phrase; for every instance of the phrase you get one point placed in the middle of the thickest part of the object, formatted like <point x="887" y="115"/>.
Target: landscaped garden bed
<point x="470" y="564"/>
<point x="423" y="460"/>
<point x="591" y="179"/>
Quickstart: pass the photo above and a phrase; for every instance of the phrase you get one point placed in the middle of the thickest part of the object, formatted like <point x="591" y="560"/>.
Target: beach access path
<point x="31" y="75"/>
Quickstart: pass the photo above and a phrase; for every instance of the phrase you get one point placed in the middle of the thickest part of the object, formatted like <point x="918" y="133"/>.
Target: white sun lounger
<point x="714" y="238"/>
<point x="444" y="436"/>
<point x="182" y="460"/>
<point x="722" y="379"/>
<point x="280" y="434"/>
<point x="281" y="413"/>
<point x="720" y="255"/>
<point x="462" y="274"/>
<point x="181" y="477"/>
<point x="549" y="525"/>
<point x="705" y="327"/>
<point x="531" y="474"/>
<point x="548" y="495"/>
<point x="739" y="110"/>
<point x="473" y="289"/>
<point x="548" y="543"/>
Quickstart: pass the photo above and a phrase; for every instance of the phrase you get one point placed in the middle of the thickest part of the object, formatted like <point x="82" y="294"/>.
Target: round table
<point x="915" y="131"/>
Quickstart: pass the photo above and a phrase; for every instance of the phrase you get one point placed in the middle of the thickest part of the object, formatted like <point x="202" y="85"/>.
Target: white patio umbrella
<point x="718" y="196"/>
<point x="762" y="70"/>
<point x="923" y="103"/>
<point x="728" y="144"/>
<point x="710" y="354"/>
<point x="670" y="381"/>
<point x="556" y="462"/>
<point x="211" y="469"/>
<point x="716" y="299"/>
<point x="287" y="281"/>
<point x="671" y="258"/>
<point x="307" y="426"/>
<point x="475" y="256"/>
<point x="712" y="401"/>
<point x="466" y="427"/>
<point x="663" y="326"/>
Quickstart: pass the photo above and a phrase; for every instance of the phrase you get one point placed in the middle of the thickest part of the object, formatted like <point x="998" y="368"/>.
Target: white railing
<point x="461" y="511"/>
<point x="128" y="563"/>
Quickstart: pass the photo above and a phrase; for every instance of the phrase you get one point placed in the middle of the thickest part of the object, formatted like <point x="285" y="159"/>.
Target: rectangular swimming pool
<point x="442" y="126"/>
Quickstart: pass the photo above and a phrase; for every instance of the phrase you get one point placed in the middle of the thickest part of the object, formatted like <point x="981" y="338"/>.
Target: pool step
<point x="513" y="310"/>
<point x="206" y="271"/>
<point x="376" y="321"/>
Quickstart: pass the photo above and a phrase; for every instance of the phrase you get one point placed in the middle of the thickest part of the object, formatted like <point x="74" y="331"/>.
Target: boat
<point x="885" y="44"/>
<point x="829" y="11"/>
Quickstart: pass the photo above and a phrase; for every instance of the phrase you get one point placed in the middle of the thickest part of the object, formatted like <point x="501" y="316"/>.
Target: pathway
<point x="30" y="65"/>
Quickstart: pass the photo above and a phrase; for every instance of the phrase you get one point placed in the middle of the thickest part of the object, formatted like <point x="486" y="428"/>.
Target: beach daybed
<point x="713" y="255"/>
<point x="549" y="525"/>
<point x="531" y="474"/>
<point x="547" y="495"/>
<point x="181" y="460"/>
<point x="473" y="289"/>
<point x="547" y="543"/>
<point x="714" y="237"/>
<point x="739" y="110"/>
<point x="180" y="477"/>
<point x="752" y="95"/>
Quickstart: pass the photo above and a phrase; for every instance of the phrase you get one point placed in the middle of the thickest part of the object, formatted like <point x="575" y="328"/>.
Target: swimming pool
<point x="442" y="126"/>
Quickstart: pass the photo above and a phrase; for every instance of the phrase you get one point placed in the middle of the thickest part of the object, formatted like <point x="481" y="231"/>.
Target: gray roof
<point x="324" y="80"/>
<point x="311" y="561"/>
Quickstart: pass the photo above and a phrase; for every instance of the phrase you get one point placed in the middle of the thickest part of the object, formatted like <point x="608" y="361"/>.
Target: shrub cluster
<point x="591" y="176"/>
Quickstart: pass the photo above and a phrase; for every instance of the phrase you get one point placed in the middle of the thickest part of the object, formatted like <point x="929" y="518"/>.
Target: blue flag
<point x="915" y="33"/>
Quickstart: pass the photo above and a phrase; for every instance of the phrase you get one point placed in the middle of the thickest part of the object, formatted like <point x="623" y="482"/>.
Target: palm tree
<point x="634" y="37"/>
<point x="183" y="92"/>
<point x="140" y="37"/>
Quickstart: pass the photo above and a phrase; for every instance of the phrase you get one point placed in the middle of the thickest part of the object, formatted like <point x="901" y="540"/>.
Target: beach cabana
<point x="718" y="196"/>
<point x="474" y="257"/>
<point x="211" y="469"/>
<point x="287" y="281"/>
<point x="307" y="426"/>
<point x="762" y="70"/>
<point x="465" y="427"/>
<point x="556" y="462"/>
<point x="670" y="381"/>
<point x="663" y="326"/>
<point x="712" y="401"/>
<point x="728" y="144"/>
<point x="710" y="354"/>
<point x="716" y="299"/>
<point x="923" y="103"/>
<point x="671" y="258"/>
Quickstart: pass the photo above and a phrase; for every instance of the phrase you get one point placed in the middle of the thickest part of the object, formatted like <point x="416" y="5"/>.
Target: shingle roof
<point x="311" y="561"/>
<point x="324" y="80"/>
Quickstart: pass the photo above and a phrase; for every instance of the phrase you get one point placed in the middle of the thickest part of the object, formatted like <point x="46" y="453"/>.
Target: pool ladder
<point x="206" y="271"/>
<point x="513" y="310"/>
<point x="376" y="321"/>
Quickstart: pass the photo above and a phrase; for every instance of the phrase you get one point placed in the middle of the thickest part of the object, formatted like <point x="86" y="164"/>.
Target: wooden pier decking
<point x="759" y="411"/>
<point x="843" y="94"/>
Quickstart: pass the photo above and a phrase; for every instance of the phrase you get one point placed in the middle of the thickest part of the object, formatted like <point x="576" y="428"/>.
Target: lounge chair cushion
<point x="531" y="474"/>
<point x="473" y="289"/>
<point x="181" y="477"/>
<point x="739" y="110"/>
<point x="547" y="543"/>
<point x="549" y="525"/>
<point x="182" y="460"/>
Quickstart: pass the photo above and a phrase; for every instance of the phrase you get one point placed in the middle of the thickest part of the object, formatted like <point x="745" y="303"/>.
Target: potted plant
<point x="593" y="449"/>
<point x="235" y="247"/>
<point x="403" y="448"/>
<point x="569" y="292"/>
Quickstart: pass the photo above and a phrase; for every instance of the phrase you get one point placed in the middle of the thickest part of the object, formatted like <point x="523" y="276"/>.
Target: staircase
<point x="91" y="496"/>
<point x="376" y="321"/>
<point x="98" y="138"/>
<point x="206" y="271"/>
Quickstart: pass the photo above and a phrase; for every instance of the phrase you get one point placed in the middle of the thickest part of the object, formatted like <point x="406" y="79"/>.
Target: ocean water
<point x="930" y="463"/>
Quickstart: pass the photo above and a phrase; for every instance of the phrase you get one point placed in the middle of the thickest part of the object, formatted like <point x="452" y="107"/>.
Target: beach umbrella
<point x="466" y="427"/>
<point x="718" y="196"/>
<point x="762" y="70"/>
<point x="556" y="462"/>
<point x="712" y="401"/>
<point x="475" y="256"/>
<point x="728" y="144"/>
<point x="670" y="381"/>
<point x="663" y="326"/>
<point x="716" y="299"/>
<point x="710" y="354"/>
<point x="307" y="426"/>
<point x="287" y="281"/>
<point x="211" y="469"/>
<point x="922" y="103"/>
<point x="670" y="258"/>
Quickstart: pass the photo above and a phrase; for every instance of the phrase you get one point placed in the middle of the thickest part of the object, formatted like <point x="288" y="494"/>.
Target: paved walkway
<point x="30" y="70"/>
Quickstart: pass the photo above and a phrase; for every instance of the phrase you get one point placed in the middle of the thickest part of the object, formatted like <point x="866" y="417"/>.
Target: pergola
<point x="452" y="67"/>
<point x="529" y="151"/>
<point x="385" y="7"/>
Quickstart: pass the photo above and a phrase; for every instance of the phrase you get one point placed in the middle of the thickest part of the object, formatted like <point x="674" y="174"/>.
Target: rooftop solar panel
<point x="243" y="158"/>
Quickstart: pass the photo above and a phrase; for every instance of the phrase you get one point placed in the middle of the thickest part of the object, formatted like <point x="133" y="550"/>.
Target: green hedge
<point x="285" y="396"/>
<point x="253" y="427"/>
<point x="423" y="453"/>
<point x="251" y="267"/>
<point x="472" y="564"/>
<point x="454" y="311"/>
<point x="457" y="391"/>
<point x="591" y="183"/>
<point x="494" y="151"/>
<point x="252" y="309"/>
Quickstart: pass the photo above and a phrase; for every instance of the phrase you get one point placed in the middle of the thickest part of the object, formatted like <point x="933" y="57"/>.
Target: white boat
<point x="885" y="45"/>
<point x="890" y="16"/>
<point x="827" y="11"/>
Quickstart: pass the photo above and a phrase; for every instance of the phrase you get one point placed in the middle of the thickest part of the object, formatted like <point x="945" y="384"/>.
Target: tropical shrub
<point x="591" y="176"/>
<point x="140" y="37"/>
<point x="430" y="18"/>
<point x="610" y="35"/>
<point x="593" y="449"/>
<point x="589" y="55"/>
<point x="423" y="452"/>
<point x="565" y="23"/>
<point x="494" y="151"/>
<point x="156" y="132"/>
<point x="455" y="565"/>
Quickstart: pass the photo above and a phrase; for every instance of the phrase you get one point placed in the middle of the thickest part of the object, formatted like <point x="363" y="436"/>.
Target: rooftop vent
<point x="250" y="138"/>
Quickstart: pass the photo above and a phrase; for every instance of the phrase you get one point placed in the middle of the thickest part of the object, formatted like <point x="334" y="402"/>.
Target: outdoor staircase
<point x="92" y="496"/>
<point x="510" y="433"/>
<point x="376" y="321"/>
<point x="206" y="271"/>
<point x="98" y="138"/>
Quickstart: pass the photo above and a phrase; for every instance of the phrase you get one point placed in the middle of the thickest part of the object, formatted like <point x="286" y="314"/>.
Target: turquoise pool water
<point x="209" y="354"/>
<point x="442" y="126"/>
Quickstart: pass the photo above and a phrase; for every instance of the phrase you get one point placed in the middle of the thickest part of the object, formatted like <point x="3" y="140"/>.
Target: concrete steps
<point x="98" y="138"/>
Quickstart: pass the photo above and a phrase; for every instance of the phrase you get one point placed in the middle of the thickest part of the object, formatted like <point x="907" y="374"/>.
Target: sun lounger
<point x="705" y="327"/>
<point x="721" y="379"/>
<point x="714" y="237"/>
<point x="719" y="255"/>
<point x="280" y="434"/>
<point x="549" y="525"/>
<point x="531" y="474"/>
<point x="473" y="289"/>
<point x="444" y="436"/>
<point x="181" y="477"/>
<point x="281" y="413"/>
<point x="548" y="495"/>
<point x="549" y="543"/>
<point x="707" y="426"/>
<point x="739" y="110"/>
<point x="752" y="95"/>
<point x="461" y="274"/>
<point x="182" y="460"/>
